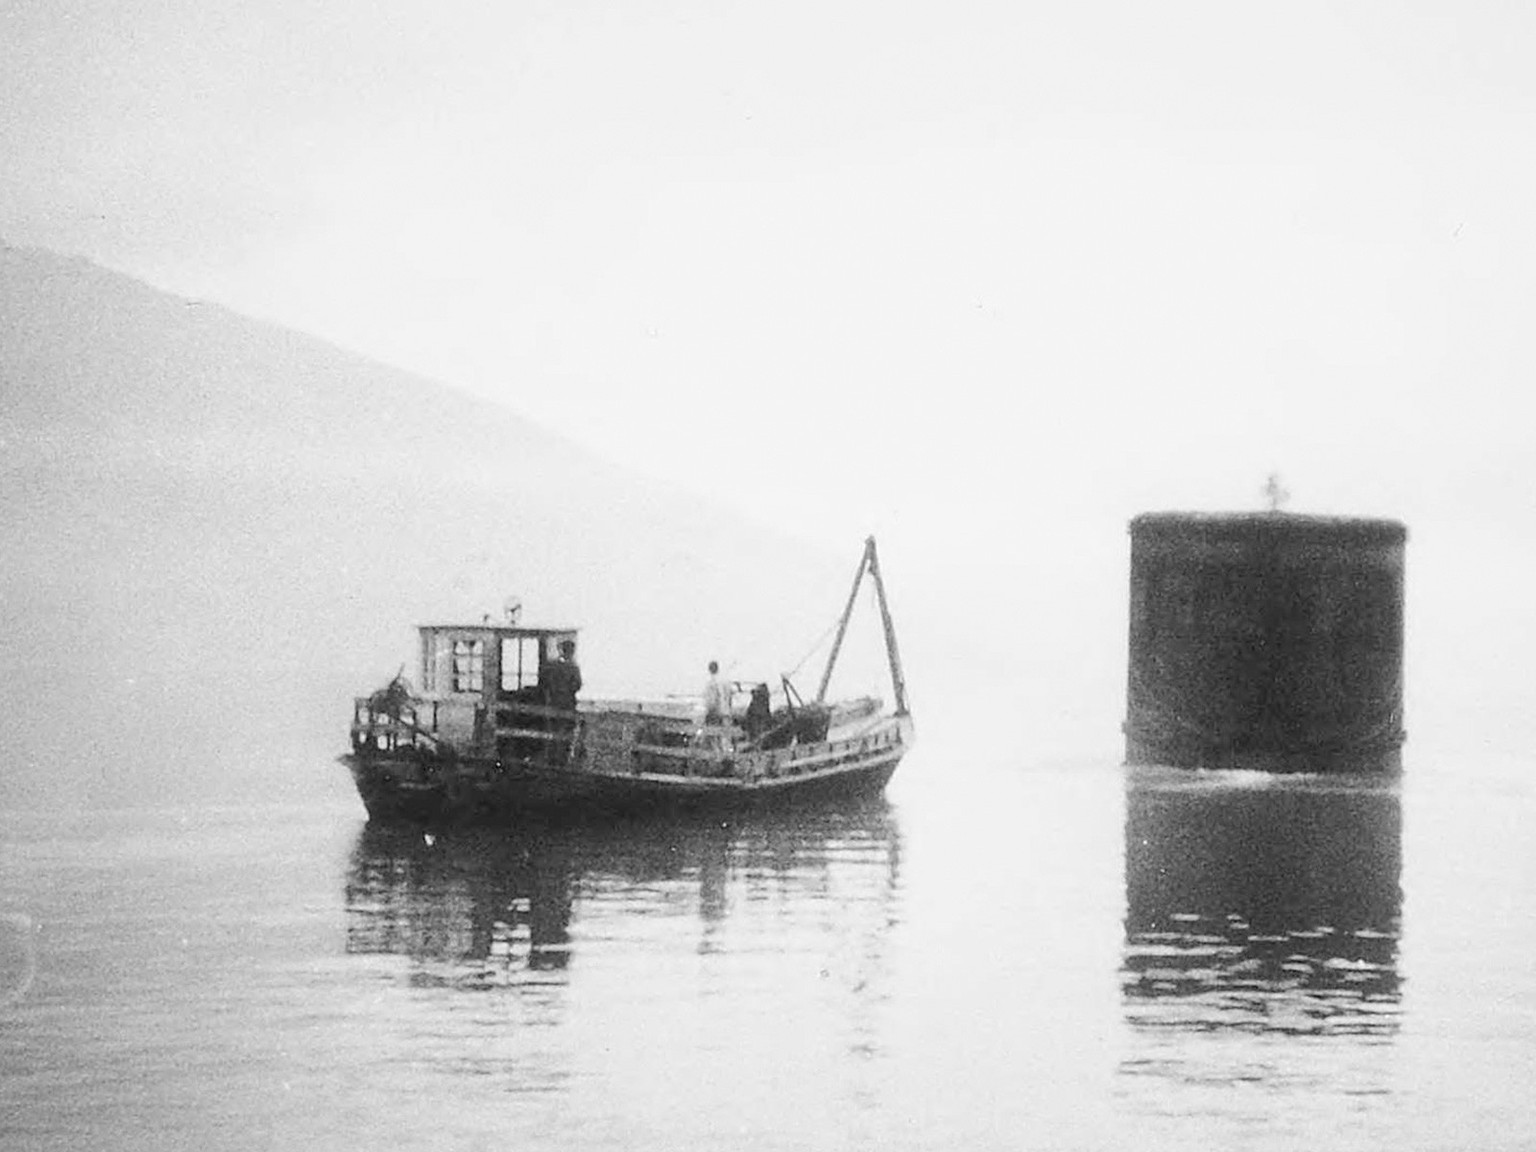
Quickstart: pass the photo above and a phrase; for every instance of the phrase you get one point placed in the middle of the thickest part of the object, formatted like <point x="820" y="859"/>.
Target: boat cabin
<point x="467" y="670"/>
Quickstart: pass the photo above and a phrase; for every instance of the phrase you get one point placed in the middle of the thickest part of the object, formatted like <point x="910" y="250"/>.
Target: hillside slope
<point x="219" y="530"/>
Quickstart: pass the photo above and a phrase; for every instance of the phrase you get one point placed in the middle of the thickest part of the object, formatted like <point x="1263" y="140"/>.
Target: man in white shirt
<point x="717" y="698"/>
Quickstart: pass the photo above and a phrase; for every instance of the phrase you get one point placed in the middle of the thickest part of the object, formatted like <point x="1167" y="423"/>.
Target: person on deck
<point x="563" y="679"/>
<point x="717" y="698"/>
<point x="759" y="712"/>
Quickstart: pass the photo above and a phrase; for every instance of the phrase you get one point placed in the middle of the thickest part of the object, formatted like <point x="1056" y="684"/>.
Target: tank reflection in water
<point x="1261" y="904"/>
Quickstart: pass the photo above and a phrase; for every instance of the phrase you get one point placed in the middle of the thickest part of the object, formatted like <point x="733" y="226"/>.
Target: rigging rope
<point x="760" y="650"/>
<point x="819" y="641"/>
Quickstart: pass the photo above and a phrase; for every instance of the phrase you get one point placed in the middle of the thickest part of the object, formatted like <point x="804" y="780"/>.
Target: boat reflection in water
<point x="1262" y="904"/>
<point x="482" y="908"/>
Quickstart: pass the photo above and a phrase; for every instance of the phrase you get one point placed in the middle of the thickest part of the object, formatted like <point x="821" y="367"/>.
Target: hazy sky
<point x="907" y="267"/>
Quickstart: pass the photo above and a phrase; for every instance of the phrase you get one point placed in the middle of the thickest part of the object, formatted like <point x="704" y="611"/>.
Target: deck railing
<point x="536" y="733"/>
<point x="619" y="743"/>
<point x="391" y="726"/>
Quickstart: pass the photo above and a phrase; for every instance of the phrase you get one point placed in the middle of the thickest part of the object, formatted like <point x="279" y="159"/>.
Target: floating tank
<point x="1266" y="640"/>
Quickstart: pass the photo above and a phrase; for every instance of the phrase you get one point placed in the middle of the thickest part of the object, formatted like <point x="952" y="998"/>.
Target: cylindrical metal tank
<point x="1266" y="640"/>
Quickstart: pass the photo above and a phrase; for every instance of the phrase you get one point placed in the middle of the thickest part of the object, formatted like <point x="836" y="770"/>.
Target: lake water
<point x="998" y="955"/>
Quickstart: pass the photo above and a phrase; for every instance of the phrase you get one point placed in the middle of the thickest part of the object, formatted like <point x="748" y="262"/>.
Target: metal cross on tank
<point x="1266" y="640"/>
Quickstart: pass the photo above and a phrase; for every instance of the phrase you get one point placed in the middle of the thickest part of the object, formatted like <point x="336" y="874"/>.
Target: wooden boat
<point x="492" y="736"/>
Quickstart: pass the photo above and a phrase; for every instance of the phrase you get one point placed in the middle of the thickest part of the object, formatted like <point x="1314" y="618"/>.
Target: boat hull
<point x="404" y="786"/>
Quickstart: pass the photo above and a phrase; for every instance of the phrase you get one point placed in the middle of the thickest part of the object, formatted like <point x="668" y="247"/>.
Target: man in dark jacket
<point x="562" y="679"/>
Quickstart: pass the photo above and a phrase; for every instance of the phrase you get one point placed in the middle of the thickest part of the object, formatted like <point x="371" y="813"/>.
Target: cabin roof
<point x="504" y="629"/>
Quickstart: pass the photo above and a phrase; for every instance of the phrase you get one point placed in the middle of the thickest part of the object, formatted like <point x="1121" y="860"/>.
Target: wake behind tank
<point x="1268" y="640"/>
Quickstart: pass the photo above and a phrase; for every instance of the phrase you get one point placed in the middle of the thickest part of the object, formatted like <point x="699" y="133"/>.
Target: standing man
<point x="717" y="698"/>
<point x="563" y="679"/>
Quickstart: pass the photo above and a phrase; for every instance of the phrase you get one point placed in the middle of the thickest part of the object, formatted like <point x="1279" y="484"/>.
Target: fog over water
<point x="202" y="942"/>
<point x="315" y="328"/>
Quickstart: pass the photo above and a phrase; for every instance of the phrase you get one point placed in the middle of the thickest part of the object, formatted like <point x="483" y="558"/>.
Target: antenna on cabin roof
<point x="513" y="607"/>
<point x="1276" y="493"/>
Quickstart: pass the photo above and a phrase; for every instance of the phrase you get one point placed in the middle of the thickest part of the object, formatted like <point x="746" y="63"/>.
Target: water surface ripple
<point x="1052" y="956"/>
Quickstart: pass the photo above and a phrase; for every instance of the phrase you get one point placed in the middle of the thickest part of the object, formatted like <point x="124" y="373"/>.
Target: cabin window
<point x="519" y="662"/>
<point x="468" y="665"/>
<point x="431" y="650"/>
